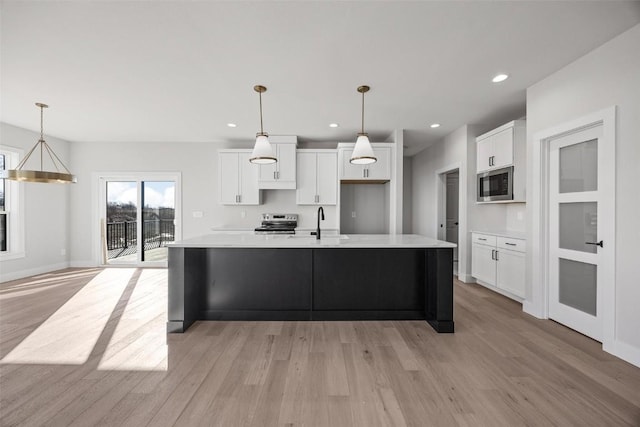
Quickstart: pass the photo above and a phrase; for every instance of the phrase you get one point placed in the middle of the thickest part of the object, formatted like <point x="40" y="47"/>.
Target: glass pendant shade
<point x="262" y="152"/>
<point x="362" y="152"/>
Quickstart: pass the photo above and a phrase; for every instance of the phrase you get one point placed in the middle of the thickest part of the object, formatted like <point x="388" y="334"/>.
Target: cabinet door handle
<point x="239" y="198"/>
<point x="493" y="254"/>
<point x="497" y="258"/>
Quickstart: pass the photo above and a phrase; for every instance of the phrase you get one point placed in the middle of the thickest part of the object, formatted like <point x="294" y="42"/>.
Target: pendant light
<point x="362" y="152"/>
<point x="20" y="174"/>
<point x="262" y="152"/>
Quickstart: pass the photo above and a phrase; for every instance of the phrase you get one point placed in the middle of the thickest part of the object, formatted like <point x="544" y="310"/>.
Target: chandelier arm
<point x="24" y="160"/>
<point x="57" y="158"/>
<point x="53" y="161"/>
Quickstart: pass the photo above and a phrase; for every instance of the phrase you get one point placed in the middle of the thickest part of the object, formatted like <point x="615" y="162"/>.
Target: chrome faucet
<point x="320" y="216"/>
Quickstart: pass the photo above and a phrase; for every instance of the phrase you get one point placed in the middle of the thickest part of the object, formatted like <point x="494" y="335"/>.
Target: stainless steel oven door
<point x="495" y="185"/>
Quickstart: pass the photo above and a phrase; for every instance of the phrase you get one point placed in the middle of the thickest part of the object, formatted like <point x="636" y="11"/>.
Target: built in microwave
<point x="495" y="185"/>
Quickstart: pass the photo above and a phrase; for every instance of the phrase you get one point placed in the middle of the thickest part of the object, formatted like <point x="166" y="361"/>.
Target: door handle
<point x="600" y="243"/>
<point x="455" y="223"/>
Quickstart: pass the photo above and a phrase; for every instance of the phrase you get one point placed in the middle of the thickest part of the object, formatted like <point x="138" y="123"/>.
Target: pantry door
<point x="581" y="256"/>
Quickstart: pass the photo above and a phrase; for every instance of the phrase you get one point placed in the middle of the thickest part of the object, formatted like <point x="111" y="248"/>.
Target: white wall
<point x="45" y="213"/>
<point x="198" y="164"/>
<point x="607" y="76"/>
<point x="407" y="196"/>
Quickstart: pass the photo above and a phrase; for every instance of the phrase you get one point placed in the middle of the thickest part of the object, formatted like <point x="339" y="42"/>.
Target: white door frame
<point x="464" y="238"/>
<point x="537" y="302"/>
<point x="99" y="204"/>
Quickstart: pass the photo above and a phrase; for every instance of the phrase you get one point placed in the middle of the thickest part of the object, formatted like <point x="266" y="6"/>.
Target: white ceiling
<point x="180" y="71"/>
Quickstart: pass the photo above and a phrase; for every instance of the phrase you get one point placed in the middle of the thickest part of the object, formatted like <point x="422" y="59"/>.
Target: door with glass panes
<point x="580" y="250"/>
<point x="139" y="220"/>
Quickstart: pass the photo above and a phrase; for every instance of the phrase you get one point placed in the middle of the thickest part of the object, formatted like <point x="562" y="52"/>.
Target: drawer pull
<point x="480" y="238"/>
<point x="510" y="244"/>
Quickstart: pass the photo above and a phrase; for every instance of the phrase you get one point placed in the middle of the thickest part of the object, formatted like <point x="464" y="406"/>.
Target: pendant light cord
<point x="260" y="95"/>
<point x="41" y="137"/>
<point x="362" y="112"/>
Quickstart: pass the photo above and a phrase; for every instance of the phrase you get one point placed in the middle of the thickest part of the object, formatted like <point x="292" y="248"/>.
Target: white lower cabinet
<point x="498" y="263"/>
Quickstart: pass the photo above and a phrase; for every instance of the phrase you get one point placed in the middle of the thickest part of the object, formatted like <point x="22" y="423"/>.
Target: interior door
<point x="579" y="254"/>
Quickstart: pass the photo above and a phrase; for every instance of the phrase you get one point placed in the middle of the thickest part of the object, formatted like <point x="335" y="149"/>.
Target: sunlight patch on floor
<point x="139" y="341"/>
<point x="69" y="335"/>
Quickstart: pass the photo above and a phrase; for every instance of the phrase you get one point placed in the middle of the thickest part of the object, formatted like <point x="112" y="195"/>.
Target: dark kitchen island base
<point x="325" y="283"/>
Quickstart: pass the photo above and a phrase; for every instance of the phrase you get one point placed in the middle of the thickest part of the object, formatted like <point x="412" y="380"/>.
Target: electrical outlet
<point x="353" y="214"/>
<point x="63" y="252"/>
<point x="197" y="214"/>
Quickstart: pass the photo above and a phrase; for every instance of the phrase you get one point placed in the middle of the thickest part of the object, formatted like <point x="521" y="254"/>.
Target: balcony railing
<point x="122" y="236"/>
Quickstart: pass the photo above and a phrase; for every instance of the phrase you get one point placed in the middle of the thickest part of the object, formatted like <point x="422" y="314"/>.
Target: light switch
<point x="353" y="214"/>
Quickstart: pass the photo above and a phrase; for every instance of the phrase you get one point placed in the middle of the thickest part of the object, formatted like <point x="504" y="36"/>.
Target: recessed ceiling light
<point x="435" y="125"/>
<point x="500" y="78"/>
<point x="232" y="125"/>
<point x="333" y="125"/>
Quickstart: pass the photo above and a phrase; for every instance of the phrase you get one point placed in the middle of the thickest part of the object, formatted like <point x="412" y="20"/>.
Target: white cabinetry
<point x="317" y="177"/>
<point x="498" y="263"/>
<point x="504" y="147"/>
<point x="237" y="178"/>
<point x="378" y="171"/>
<point x="282" y="174"/>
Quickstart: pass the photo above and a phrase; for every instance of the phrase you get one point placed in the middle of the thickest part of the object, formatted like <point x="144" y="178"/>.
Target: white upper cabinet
<point x="501" y="147"/>
<point x="237" y="178"/>
<point x="282" y="174"/>
<point x="317" y="177"/>
<point x="378" y="171"/>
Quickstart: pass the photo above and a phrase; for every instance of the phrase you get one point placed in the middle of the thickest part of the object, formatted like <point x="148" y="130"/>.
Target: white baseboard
<point x="625" y="351"/>
<point x="533" y="310"/>
<point x="6" y="277"/>
<point x="83" y="264"/>
<point x="466" y="278"/>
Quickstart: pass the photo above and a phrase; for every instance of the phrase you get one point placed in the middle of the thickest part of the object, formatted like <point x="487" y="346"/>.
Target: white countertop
<point x="504" y="233"/>
<point x="303" y="241"/>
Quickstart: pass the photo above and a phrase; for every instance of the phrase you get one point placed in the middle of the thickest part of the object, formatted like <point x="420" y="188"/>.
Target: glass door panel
<point x="578" y="225"/>
<point x="158" y="225"/>
<point x="121" y="222"/>
<point x="579" y="167"/>
<point x="578" y="285"/>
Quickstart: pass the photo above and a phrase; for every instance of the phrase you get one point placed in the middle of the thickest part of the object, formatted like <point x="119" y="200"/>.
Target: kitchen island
<point x="296" y="277"/>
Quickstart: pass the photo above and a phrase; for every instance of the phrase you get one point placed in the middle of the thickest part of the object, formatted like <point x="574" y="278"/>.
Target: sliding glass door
<point x="139" y="219"/>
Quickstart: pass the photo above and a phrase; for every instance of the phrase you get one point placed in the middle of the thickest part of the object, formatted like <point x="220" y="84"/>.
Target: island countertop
<point x="307" y="241"/>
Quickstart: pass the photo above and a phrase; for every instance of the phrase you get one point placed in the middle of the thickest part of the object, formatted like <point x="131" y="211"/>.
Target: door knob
<point x="600" y="243"/>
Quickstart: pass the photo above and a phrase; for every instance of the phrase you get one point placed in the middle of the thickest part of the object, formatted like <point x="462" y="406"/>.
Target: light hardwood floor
<point x="85" y="347"/>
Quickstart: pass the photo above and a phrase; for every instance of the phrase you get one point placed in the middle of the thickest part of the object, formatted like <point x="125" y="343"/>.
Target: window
<point x="11" y="229"/>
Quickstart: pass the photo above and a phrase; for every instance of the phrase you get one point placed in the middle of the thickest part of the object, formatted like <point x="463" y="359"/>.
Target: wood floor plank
<point x="500" y="368"/>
